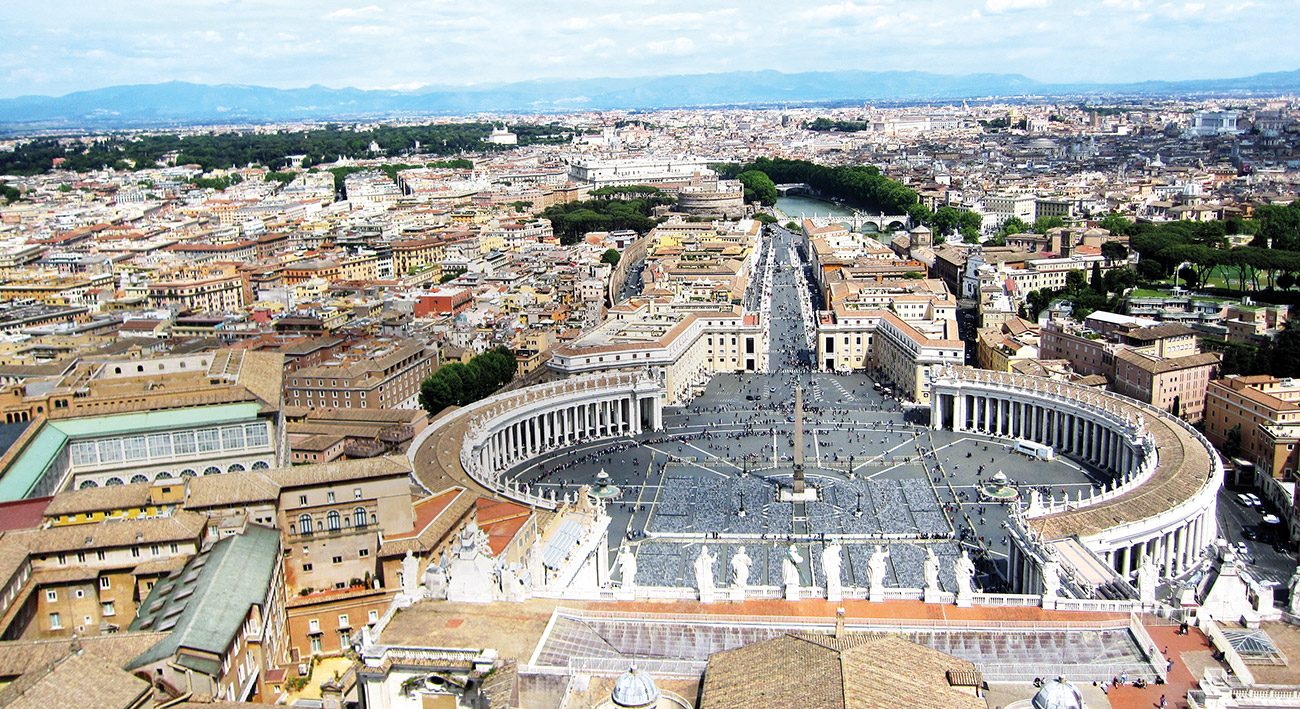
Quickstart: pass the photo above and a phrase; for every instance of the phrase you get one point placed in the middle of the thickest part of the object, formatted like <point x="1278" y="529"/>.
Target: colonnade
<point x="1083" y="434"/>
<point x="1174" y="551"/>
<point x="565" y="424"/>
<point x="1112" y="433"/>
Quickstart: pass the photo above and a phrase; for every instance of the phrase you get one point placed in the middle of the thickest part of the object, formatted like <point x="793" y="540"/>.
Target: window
<point x="80" y="593"/>
<point x="356" y="493"/>
<point x="63" y="560"/>
<point x="345" y="638"/>
<point x="302" y="499"/>
<point x="135" y="552"/>
<point x="338" y="560"/>
<point x="304" y="521"/>
<point x="329" y="496"/>
<point x="108" y="608"/>
<point x="81" y="557"/>
<point x="183" y="442"/>
<point x="175" y="548"/>
<point x="306" y="567"/>
<point x="56" y="623"/>
<point x="105" y="582"/>
<point x="51" y="596"/>
<point x="333" y="520"/>
<point x="99" y="555"/>
<point x="315" y="644"/>
<point x="232" y="437"/>
<point x="343" y="621"/>
<point x="363" y="553"/>
<point x="372" y="616"/>
<point x="359" y="517"/>
<point x="313" y="626"/>
<point x="135" y="448"/>
<point x="209" y="440"/>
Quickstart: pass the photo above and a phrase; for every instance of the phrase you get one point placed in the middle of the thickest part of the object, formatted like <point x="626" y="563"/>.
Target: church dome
<point x="1058" y="694"/>
<point x="635" y="689"/>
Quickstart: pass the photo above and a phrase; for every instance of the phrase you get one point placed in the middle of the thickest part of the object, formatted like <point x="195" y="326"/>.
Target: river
<point x="796" y="205"/>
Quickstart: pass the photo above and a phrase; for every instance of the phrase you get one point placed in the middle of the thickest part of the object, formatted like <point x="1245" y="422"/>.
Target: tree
<point x="969" y="224"/>
<point x="946" y="221"/>
<point x="1096" y="282"/>
<point x="1286" y="281"/>
<point x="611" y="257"/>
<point x="1014" y="225"/>
<point x="1043" y="224"/>
<point x="758" y="187"/>
<point x="1115" y="223"/>
<point x="764" y="218"/>
<point x="1232" y="442"/>
<point x="1114" y="251"/>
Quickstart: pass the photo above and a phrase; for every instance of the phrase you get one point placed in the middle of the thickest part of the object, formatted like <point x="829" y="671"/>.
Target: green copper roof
<point x="204" y="606"/>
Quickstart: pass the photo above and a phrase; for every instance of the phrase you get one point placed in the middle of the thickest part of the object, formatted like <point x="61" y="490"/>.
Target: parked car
<point x="1254" y="500"/>
<point x="1244" y="500"/>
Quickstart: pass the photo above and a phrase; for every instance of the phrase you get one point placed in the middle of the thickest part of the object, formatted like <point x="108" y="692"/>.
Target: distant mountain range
<point x="181" y="103"/>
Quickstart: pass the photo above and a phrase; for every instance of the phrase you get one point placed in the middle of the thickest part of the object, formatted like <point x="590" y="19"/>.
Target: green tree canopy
<point x="758" y="187"/>
<point x="611" y="257"/>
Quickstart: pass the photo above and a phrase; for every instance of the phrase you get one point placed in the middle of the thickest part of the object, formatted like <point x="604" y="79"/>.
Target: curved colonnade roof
<point x="1182" y="468"/>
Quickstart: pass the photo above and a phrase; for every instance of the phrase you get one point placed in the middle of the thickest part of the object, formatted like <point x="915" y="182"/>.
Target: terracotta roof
<point x="857" y="671"/>
<point x="99" y="499"/>
<point x="182" y="525"/>
<point x="337" y="471"/>
<point x="207" y="491"/>
<point x="76" y="680"/>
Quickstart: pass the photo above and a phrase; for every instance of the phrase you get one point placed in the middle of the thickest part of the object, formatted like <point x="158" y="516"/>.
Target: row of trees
<point x="226" y="150"/>
<point x="459" y="384"/>
<point x="1199" y="250"/>
<point x="570" y="221"/>
<point x="862" y="185"/>
<point x="758" y="187"/>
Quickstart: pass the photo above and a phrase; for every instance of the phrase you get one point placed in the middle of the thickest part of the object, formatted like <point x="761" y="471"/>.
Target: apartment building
<point x="380" y="374"/>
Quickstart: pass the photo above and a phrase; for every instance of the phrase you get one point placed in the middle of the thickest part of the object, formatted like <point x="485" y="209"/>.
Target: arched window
<point x="137" y="478"/>
<point x="117" y="370"/>
<point x="260" y="465"/>
<point x="333" y="521"/>
<point x="113" y="481"/>
<point x="164" y="475"/>
<point x="139" y="367"/>
<point x="187" y="473"/>
<point x="304" y="521"/>
<point x="236" y="468"/>
<point x="212" y="470"/>
<point x="87" y="483"/>
<point x="359" y="517"/>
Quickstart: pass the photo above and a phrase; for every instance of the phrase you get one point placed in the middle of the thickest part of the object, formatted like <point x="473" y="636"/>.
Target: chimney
<point x="839" y="623"/>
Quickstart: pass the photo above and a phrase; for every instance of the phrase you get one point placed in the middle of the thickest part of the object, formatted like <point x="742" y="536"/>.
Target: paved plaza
<point x="713" y="475"/>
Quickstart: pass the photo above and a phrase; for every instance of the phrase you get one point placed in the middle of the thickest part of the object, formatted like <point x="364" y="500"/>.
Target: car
<point x="749" y="397"/>
<point x="1243" y="499"/>
<point x="1249" y="534"/>
<point x="771" y="390"/>
<point x="1254" y="500"/>
<point x="1241" y="548"/>
<point x="1270" y="518"/>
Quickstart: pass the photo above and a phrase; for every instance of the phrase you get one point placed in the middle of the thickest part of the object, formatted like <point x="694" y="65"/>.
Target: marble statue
<point x="790" y="573"/>
<point x="1051" y="582"/>
<point x="410" y="575"/>
<point x="876" y="568"/>
<point x="536" y="574"/>
<point x="1294" y="587"/>
<point x="831" y="567"/>
<point x="435" y="579"/>
<point x="965" y="572"/>
<point x="931" y="570"/>
<point x="627" y="567"/>
<point x="740" y="564"/>
<point x="704" y="574"/>
<point x="1147" y="575"/>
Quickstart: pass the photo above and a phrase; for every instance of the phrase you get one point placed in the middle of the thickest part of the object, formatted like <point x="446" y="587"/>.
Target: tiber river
<point x="796" y="205"/>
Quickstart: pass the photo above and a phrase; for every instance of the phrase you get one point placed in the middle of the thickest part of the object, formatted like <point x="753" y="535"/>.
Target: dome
<point x="635" y="689"/>
<point x="1058" y="694"/>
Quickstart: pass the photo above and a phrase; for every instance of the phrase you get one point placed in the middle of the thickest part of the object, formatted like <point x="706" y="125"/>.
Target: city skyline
<point x="68" y="46"/>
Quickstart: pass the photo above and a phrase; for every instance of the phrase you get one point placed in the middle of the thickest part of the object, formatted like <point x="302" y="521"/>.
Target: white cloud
<point x="354" y="11"/>
<point x="679" y="46"/>
<point x="1005" y="5"/>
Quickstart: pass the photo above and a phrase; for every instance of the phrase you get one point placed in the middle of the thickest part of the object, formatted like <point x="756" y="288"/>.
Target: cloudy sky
<point x="53" y="47"/>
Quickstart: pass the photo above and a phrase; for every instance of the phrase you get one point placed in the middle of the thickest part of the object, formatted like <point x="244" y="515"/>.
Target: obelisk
<point x="798" y="440"/>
